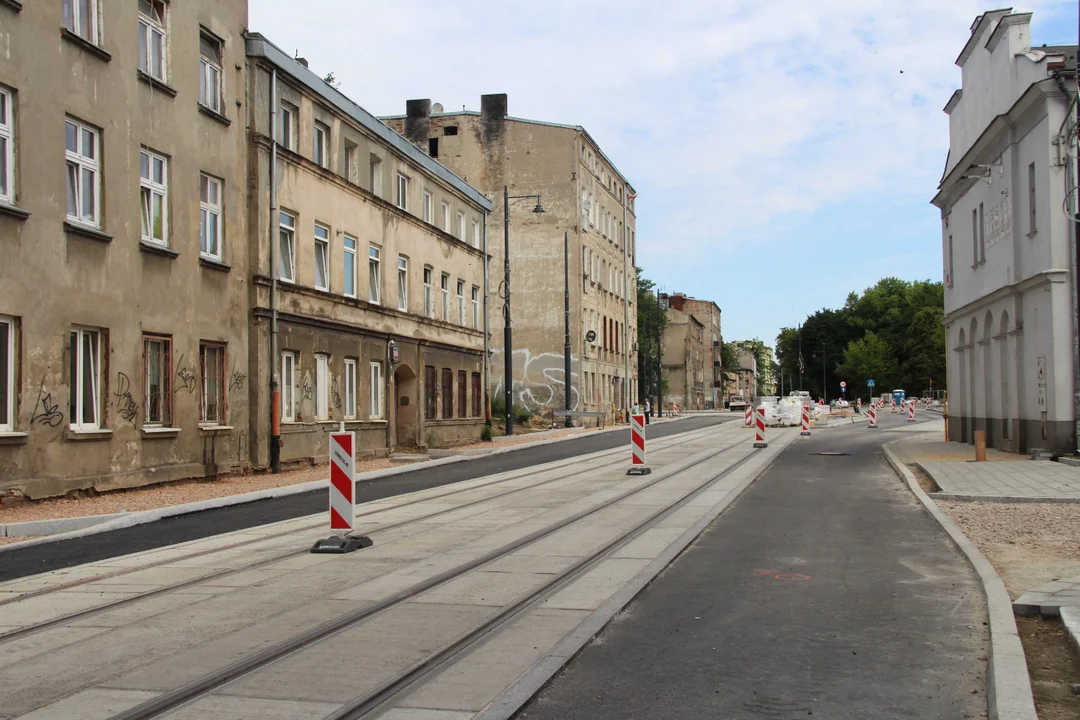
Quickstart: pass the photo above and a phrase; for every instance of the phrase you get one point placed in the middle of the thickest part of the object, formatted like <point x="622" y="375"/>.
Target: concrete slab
<point x="515" y="563"/>
<point x="425" y="714"/>
<point x="650" y="543"/>
<point x="32" y="611"/>
<point x="54" y="579"/>
<point x="141" y="610"/>
<point x="90" y="704"/>
<point x="223" y="707"/>
<point x="593" y="589"/>
<point x="22" y="649"/>
<point x="484" y="588"/>
<point x="473" y="681"/>
<point x="376" y="650"/>
<point x="159" y="576"/>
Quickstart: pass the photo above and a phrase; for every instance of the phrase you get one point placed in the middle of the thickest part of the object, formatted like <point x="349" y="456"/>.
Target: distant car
<point x="737" y="402"/>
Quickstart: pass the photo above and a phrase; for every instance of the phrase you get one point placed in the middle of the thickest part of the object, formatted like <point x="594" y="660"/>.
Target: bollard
<point x="873" y="417"/>
<point x="805" y="420"/>
<point x="980" y="446"/>
<point x="637" y="446"/>
<point x="759" y="441"/>
<point x="749" y="415"/>
<point x="911" y="411"/>
<point x="342" y="498"/>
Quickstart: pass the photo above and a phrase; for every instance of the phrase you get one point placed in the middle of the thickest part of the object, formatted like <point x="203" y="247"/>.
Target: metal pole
<point x="566" y="324"/>
<point x="275" y="380"/>
<point x="508" y="350"/>
<point x="824" y="385"/>
<point x="800" y="357"/>
<point x="487" y="333"/>
<point x="659" y="360"/>
<point x="626" y="313"/>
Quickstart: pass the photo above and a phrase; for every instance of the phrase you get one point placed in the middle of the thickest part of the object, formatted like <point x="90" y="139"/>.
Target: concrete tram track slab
<point x="282" y="601"/>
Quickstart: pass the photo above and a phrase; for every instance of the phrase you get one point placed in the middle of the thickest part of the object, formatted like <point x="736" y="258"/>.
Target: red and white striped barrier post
<point x="749" y="415"/>
<point x="637" y="446"/>
<point x="805" y="420"/>
<point x="893" y="404"/>
<point x="927" y="407"/>
<point x="759" y="439"/>
<point x="342" y="497"/>
<point x="911" y="410"/>
<point x="873" y="415"/>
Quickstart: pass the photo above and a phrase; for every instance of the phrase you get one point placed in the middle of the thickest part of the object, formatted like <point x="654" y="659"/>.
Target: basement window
<point x="450" y="130"/>
<point x="433" y="147"/>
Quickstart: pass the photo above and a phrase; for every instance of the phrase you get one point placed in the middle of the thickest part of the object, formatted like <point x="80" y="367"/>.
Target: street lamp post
<point x="508" y="350"/>
<point x="566" y="326"/>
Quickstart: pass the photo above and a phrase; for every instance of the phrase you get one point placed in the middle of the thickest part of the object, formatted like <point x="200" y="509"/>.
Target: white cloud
<point x="728" y="116"/>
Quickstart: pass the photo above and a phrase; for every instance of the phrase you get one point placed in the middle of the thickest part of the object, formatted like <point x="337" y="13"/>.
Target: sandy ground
<point x="1028" y="543"/>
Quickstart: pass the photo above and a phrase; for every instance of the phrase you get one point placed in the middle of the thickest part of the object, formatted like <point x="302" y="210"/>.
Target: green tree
<point x="870" y="357"/>
<point x="651" y="322"/>
<point x="925" y="349"/>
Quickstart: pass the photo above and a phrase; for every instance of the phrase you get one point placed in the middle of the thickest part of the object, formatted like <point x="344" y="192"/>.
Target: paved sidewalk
<point x="1019" y="481"/>
<point x="1047" y="600"/>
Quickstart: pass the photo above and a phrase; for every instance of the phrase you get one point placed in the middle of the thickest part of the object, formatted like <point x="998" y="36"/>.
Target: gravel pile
<point x="1050" y="527"/>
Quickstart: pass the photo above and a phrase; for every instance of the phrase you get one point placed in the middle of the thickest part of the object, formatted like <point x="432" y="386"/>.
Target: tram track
<point x="213" y="681"/>
<point x="596" y="460"/>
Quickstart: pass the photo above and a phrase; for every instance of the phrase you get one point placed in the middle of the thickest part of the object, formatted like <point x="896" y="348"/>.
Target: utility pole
<point x="659" y="359"/>
<point x="508" y="335"/>
<point x="566" y="324"/>
<point x="824" y="385"/>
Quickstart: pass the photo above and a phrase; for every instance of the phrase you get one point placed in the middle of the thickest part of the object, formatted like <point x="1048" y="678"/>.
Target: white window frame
<point x="403" y="283"/>
<point x="446" y="217"/>
<point x="376" y="176"/>
<point x="322" y="386"/>
<point x="287" y="122"/>
<point x="461" y="302"/>
<point x="165" y="384"/>
<point x="444" y="287"/>
<point x="76" y="337"/>
<point x="350" y="388"/>
<point x="321" y="236"/>
<point x="208" y="209"/>
<point x="320" y="151"/>
<point x="148" y="28"/>
<point x="206" y="349"/>
<point x="349" y="265"/>
<point x="403" y="191"/>
<point x="375" y="392"/>
<point x="7" y="375"/>
<point x="149" y="190"/>
<point x="429" y="292"/>
<point x="86" y="28"/>
<point x="83" y="164"/>
<point x="476" y="307"/>
<point x="348" y="160"/>
<point x="211" y="78"/>
<point x="427" y="207"/>
<point x="374" y="275"/>
<point x="7" y="152"/>
<point x="287" y="228"/>
<point x="288" y="386"/>
<point x="461" y="226"/>
<point x="476" y="235"/>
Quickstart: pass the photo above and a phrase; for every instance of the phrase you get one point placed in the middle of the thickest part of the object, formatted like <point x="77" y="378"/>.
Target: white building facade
<point x="1008" y="240"/>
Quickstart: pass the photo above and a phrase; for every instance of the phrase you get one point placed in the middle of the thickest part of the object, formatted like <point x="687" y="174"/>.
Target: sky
<point x="784" y="152"/>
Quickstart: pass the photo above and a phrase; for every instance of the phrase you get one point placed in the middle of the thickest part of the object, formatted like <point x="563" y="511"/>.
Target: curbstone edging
<point x="92" y="525"/>
<point x="1008" y="688"/>
<point x="959" y="497"/>
<point x="1070" y="618"/>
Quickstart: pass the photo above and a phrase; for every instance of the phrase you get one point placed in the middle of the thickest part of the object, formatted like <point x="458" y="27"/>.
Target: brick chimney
<point x="417" y="122"/>
<point x="492" y="114"/>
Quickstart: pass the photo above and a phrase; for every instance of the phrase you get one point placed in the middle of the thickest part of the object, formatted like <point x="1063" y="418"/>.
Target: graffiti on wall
<point x="125" y="403"/>
<point x="538" y="380"/>
<point x="187" y="378"/>
<point x="46" y="412"/>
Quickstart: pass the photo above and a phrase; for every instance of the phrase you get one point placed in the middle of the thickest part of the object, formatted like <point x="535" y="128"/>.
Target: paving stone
<point x="484" y="588"/>
<point x="650" y="543"/>
<point x="426" y="714"/>
<point x="90" y="704"/>
<point x="34" y="610"/>
<point x="223" y="707"/>
<point x="22" y="649"/>
<point x="592" y="589"/>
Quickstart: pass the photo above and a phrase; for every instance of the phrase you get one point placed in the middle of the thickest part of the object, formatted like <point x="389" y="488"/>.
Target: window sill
<point x="214" y="264"/>
<point x="215" y="115"/>
<point x="85" y="231"/>
<point x="215" y="429"/>
<point x="158" y="250"/>
<point x="88" y="435"/>
<point x="13" y="438"/>
<point x="15" y="212"/>
<point x="85" y="44"/>
<point x="157" y="84"/>
<point x="13" y="4"/>
<point x="160" y="432"/>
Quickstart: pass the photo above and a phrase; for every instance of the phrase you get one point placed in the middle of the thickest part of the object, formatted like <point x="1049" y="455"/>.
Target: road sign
<point x="843" y="384"/>
<point x="870" y="382"/>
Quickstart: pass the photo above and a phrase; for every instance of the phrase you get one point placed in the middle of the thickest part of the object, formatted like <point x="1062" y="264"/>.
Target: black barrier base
<point x="761" y="445"/>
<point x="341" y="545"/>
<point x="805" y="433"/>
<point x="639" y="471"/>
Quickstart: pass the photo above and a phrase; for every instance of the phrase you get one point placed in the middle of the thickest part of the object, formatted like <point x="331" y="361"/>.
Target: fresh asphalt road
<point x="825" y="590"/>
<point x="192" y="526"/>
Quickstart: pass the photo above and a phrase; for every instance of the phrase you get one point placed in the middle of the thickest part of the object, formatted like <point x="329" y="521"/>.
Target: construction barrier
<point x="637" y="446"/>
<point x="342" y="497"/>
<point x="911" y="411"/>
<point x="805" y="421"/>
<point x="759" y="440"/>
<point x="749" y="415"/>
<point x="873" y="416"/>
<point x="858" y="404"/>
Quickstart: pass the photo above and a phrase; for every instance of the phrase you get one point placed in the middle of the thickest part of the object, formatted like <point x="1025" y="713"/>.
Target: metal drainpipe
<point x="275" y="380"/>
<point x="626" y="314"/>
<point x="487" y="335"/>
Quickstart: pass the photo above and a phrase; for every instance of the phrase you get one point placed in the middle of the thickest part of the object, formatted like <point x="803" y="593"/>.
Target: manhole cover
<point x="830" y="454"/>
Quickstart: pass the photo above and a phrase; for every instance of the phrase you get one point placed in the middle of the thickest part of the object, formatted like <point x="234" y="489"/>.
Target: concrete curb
<point x="839" y="422"/>
<point x="1070" y="618"/>
<point x="1008" y="687"/>
<point x="513" y="698"/>
<point x="83" y="526"/>
<point x="1004" y="498"/>
<point x="34" y="528"/>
